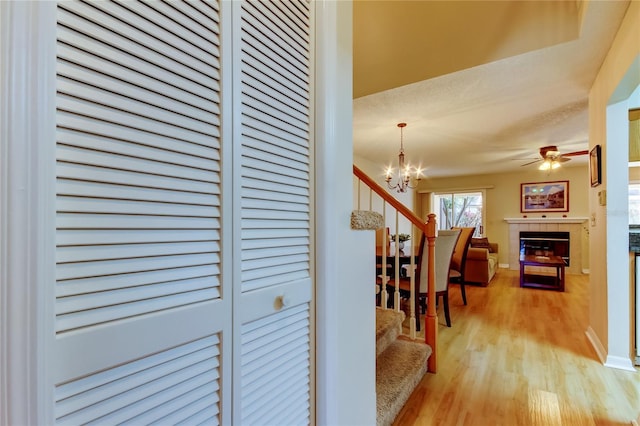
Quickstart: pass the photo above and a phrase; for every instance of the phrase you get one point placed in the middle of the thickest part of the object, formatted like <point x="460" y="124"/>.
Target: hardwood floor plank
<point x="544" y="409"/>
<point x="520" y="356"/>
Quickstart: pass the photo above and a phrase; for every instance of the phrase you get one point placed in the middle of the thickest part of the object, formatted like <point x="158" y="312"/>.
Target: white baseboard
<point x="617" y="362"/>
<point x="620" y="363"/>
<point x="596" y="344"/>
<point x="503" y="265"/>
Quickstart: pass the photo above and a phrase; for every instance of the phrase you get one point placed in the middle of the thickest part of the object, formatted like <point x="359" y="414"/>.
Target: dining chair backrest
<point x="459" y="257"/>
<point x="445" y="242"/>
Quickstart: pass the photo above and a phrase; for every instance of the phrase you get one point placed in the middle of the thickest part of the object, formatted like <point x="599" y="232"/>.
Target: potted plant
<point x="401" y="239"/>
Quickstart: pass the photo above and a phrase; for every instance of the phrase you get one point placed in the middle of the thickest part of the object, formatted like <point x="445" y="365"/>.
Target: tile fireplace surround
<point x="573" y="225"/>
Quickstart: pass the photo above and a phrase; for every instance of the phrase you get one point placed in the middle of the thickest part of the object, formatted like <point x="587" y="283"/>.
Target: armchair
<point x="482" y="264"/>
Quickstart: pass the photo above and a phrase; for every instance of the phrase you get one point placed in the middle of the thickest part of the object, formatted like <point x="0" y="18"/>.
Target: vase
<point x="401" y="245"/>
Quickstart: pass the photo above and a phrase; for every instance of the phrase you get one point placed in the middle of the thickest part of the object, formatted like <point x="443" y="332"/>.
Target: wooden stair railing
<point x="429" y="230"/>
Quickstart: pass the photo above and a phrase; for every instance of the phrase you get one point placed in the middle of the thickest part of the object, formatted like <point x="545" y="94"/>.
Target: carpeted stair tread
<point x="399" y="370"/>
<point x="388" y="327"/>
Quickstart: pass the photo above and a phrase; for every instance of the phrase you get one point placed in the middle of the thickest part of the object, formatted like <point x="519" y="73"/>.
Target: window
<point x="463" y="209"/>
<point x="634" y="203"/>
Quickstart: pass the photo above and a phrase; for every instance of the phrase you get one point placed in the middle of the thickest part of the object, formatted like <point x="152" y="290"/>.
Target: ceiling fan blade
<point x="575" y="153"/>
<point x="531" y="162"/>
<point x="563" y="159"/>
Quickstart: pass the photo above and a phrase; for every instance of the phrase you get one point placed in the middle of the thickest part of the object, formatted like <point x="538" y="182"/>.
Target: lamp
<point x="404" y="171"/>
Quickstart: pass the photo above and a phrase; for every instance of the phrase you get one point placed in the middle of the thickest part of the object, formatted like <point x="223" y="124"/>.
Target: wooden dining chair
<point x="459" y="260"/>
<point x="444" y="244"/>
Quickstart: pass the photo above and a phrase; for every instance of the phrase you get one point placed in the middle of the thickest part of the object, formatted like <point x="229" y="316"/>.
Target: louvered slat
<point x="93" y="300"/>
<point x="98" y="128"/>
<point x="118" y="282"/>
<point x="261" y="238"/>
<point x="83" y="237"/>
<point x="71" y="271"/>
<point x="79" y="189"/>
<point x="135" y="149"/>
<point x="142" y="122"/>
<point x="68" y="204"/>
<point x="85" y="173"/>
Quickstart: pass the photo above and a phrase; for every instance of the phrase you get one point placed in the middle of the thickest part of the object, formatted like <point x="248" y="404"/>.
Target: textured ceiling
<point x="481" y="85"/>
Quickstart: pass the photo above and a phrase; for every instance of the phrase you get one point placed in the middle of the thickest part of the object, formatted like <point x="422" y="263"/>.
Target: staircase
<point x="400" y="365"/>
<point x="401" y="362"/>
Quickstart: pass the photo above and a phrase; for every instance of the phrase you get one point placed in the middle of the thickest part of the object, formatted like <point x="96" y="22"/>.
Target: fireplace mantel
<point x="546" y="219"/>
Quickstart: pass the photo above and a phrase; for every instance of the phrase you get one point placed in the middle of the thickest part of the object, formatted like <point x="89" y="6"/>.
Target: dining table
<point x="404" y="258"/>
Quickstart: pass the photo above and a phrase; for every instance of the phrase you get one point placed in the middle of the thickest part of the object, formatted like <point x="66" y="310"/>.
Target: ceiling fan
<point x="552" y="158"/>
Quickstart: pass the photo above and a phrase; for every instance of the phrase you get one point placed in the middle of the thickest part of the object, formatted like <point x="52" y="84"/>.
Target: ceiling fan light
<point x="549" y="165"/>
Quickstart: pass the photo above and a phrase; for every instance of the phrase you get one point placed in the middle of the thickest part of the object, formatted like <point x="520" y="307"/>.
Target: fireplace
<point x="542" y="243"/>
<point x="574" y="226"/>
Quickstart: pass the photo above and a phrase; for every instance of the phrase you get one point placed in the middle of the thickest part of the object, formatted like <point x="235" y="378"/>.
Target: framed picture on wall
<point x="544" y="196"/>
<point x="595" y="165"/>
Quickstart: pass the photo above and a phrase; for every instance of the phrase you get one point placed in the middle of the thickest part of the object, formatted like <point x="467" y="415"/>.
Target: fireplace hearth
<point x="543" y="243"/>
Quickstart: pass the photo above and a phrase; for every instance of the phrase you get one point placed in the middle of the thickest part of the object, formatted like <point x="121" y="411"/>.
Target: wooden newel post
<point x="431" y="319"/>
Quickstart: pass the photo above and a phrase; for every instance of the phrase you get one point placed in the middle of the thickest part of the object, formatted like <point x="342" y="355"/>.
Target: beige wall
<point x="503" y="198"/>
<point x="623" y="52"/>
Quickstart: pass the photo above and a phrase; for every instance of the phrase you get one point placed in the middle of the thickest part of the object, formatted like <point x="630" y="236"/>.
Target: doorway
<point x="620" y="312"/>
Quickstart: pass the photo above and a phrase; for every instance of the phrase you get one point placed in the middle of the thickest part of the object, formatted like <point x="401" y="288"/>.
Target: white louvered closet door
<point x="183" y="242"/>
<point x="272" y="379"/>
<point x="142" y="312"/>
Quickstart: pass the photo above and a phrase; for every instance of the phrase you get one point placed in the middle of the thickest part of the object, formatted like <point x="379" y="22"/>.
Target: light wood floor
<point x="521" y="357"/>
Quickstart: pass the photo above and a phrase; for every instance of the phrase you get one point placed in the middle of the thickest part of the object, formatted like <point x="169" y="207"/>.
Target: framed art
<point x="544" y="196"/>
<point x="595" y="165"/>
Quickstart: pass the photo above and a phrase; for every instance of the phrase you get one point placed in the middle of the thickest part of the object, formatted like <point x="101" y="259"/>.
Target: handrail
<point x="419" y="223"/>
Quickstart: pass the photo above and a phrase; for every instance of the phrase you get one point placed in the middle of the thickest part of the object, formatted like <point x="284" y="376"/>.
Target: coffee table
<point x="549" y="282"/>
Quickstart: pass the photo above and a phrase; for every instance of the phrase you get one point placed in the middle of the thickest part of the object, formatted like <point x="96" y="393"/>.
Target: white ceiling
<point x="481" y="85"/>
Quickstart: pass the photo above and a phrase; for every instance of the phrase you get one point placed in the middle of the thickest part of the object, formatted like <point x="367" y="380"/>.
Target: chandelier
<point x="405" y="172"/>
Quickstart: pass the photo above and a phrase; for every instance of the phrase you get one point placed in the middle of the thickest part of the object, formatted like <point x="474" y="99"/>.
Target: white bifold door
<point x="183" y="289"/>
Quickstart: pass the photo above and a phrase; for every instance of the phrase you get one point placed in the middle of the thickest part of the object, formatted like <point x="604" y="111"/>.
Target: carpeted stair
<point x="400" y="365"/>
